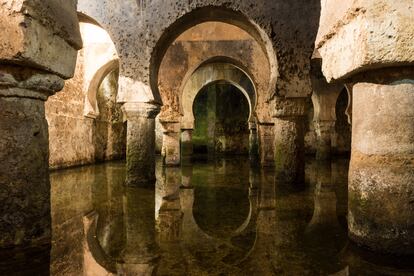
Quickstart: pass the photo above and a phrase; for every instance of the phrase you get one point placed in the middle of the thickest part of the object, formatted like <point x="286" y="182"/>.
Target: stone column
<point x="324" y="131"/>
<point x="289" y="140"/>
<point x="266" y="144"/>
<point x="253" y="143"/>
<point x="324" y="98"/>
<point x="381" y="176"/>
<point x="140" y="143"/>
<point x="24" y="156"/>
<point x="38" y="48"/>
<point x="171" y="143"/>
<point x="186" y="145"/>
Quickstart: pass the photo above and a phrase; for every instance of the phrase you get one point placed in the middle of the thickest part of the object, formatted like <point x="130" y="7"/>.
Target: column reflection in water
<point x="249" y="225"/>
<point x="141" y="254"/>
<point x="287" y="231"/>
<point x="324" y="237"/>
<point x="260" y="260"/>
<point x="169" y="221"/>
<point x="107" y="197"/>
<point x="67" y="218"/>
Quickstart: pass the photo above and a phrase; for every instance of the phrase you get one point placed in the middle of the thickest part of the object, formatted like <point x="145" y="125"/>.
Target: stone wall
<point x="70" y="136"/>
<point x="77" y="140"/>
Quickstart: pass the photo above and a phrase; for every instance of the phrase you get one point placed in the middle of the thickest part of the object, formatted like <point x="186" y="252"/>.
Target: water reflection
<point x="213" y="218"/>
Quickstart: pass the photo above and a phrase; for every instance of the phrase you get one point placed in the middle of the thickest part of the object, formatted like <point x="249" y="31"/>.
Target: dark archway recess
<point x="221" y="120"/>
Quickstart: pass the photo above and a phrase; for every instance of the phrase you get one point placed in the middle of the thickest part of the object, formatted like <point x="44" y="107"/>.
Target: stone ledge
<point x="369" y="35"/>
<point x="34" y="45"/>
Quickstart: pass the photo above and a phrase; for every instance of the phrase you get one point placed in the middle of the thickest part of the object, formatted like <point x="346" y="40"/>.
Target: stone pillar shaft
<point x="171" y="143"/>
<point x="381" y="176"/>
<point x="289" y="140"/>
<point x="25" y="218"/>
<point x="140" y="143"/>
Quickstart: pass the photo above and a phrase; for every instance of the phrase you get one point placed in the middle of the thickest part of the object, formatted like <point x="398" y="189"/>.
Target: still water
<point x="217" y="217"/>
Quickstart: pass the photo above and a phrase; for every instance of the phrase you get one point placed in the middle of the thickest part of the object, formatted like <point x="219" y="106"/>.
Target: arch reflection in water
<point x="196" y="246"/>
<point x="282" y="230"/>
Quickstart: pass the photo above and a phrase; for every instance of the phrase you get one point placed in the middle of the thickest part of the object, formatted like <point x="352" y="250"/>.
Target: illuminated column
<point x="289" y="142"/>
<point x="381" y="174"/>
<point x="35" y="57"/>
<point x="140" y="143"/>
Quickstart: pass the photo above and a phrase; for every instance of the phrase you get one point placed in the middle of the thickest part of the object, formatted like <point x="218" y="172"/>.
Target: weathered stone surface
<point x="382" y="167"/>
<point x="39" y="41"/>
<point x="142" y="34"/>
<point x="33" y="26"/>
<point x="140" y="143"/>
<point x="289" y="107"/>
<point x="24" y="173"/>
<point x="289" y="143"/>
<point x="369" y="34"/>
<point x="289" y="150"/>
<point x="28" y="83"/>
<point x="85" y="139"/>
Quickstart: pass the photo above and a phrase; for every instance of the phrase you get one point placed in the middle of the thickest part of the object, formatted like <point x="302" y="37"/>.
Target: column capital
<point x="289" y="107"/>
<point x="21" y="82"/>
<point x="144" y="110"/>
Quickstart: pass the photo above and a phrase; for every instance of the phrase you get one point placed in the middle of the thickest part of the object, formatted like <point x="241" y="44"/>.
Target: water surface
<point x="218" y="217"/>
